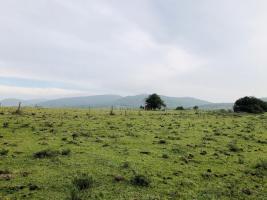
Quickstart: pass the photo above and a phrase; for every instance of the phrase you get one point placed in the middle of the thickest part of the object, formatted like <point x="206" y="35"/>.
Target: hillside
<point x="92" y="101"/>
<point x="14" y="102"/>
<point x="217" y="106"/>
<point x="118" y="101"/>
<point x="187" y="102"/>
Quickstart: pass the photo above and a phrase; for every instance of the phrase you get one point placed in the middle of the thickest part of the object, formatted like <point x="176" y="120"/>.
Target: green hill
<point x="92" y="101"/>
<point x="14" y="102"/>
<point x="118" y="101"/>
<point x="217" y="106"/>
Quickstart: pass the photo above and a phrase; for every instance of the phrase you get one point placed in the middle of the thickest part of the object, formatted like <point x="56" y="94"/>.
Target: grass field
<point x="81" y="154"/>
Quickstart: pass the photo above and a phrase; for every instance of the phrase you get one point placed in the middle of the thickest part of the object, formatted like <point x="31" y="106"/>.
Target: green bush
<point x="65" y="152"/>
<point x="140" y="180"/>
<point x="250" y="105"/>
<point x="179" y="108"/>
<point x="262" y="165"/>
<point x="47" y="153"/>
<point x="3" y="152"/>
<point x="5" y="125"/>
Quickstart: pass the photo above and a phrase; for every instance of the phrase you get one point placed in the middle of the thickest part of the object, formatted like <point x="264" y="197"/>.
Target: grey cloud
<point x="181" y="48"/>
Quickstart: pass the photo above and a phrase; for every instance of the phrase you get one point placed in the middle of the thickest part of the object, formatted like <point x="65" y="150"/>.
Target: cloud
<point x="28" y="92"/>
<point x="179" y="48"/>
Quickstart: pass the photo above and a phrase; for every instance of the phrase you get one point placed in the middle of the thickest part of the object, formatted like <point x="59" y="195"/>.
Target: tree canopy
<point x="250" y="105"/>
<point x="154" y="102"/>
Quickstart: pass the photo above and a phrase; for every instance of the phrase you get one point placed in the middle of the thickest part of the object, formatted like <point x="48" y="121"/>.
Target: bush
<point x="179" y="108"/>
<point x="65" y="152"/>
<point x="261" y="165"/>
<point x="47" y="153"/>
<point x="140" y="180"/>
<point x="5" y="125"/>
<point x="250" y="105"/>
<point x="260" y="169"/>
<point x="3" y="152"/>
<point x="33" y="187"/>
<point x="83" y="182"/>
<point x="233" y="147"/>
<point x="162" y="141"/>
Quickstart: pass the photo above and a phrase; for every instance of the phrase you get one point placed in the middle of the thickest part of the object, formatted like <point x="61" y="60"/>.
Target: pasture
<point x="132" y="154"/>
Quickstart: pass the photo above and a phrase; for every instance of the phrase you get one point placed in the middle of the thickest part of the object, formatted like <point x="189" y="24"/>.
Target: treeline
<point x="245" y="104"/>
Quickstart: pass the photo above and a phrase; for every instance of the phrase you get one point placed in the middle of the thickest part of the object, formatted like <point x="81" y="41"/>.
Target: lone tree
<point x="250" y="105"/>
<point x="154" y="102"/>
<point x="195" y="107"/>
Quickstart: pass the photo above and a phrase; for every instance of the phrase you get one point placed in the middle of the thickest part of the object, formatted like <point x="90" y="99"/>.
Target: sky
<point x="210" y="49"/>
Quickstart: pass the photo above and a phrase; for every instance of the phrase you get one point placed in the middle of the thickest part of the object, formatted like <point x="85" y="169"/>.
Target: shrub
<point x="83" y="182"/>
<point x="5" y="172"/>
<point x="233" y="147"/>
<point x="261" y="165"/>
<point x="4" y="152"/>
<point x="74" y="136"/>
<point x="162" y="141"/>
<point x="65" y="152"/>
<point x="140" y="180"/>
<point x="33" y="187"/>
<point x="250" y="105"/>
<point x="165" y="156"/>
<point x="179" y="108"/>
<point x="47" y="153"/>
<point x="5" y="125"/>
<point x="260" y="169"/>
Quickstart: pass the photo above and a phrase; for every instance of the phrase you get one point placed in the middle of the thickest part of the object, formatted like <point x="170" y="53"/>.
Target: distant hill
<point x="118" y="101"/>
<point x="171" y="102"/>
<point x="187" y="102"/>
<point x="10" y="102"/>
<point x="131" y="101"/>
<point x="15" y="102"/>
<point x="92" y="101"/>
<point x="217" y="106"/>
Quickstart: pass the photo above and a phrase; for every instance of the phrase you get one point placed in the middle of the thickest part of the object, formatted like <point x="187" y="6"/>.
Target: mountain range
<point x="117" y="101"/>
<point x="14" y="102"/>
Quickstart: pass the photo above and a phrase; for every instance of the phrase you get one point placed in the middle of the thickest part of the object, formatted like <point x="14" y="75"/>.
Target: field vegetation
<point x="132" y="154"/>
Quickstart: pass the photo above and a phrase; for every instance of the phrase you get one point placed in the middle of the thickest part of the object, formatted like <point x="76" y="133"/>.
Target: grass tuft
<point x="83" y="182"/>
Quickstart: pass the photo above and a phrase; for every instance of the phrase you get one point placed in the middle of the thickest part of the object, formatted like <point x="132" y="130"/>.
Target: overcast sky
<point x="210" y="49"/>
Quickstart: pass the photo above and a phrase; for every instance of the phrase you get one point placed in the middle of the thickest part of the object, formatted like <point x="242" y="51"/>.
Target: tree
<point x="154" y="102"/>
<point x="250" y="105"/>
<point x="195" y="107"/>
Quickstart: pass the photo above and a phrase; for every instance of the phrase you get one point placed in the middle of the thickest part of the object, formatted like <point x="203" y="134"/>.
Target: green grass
<point x="74" y="154"/>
